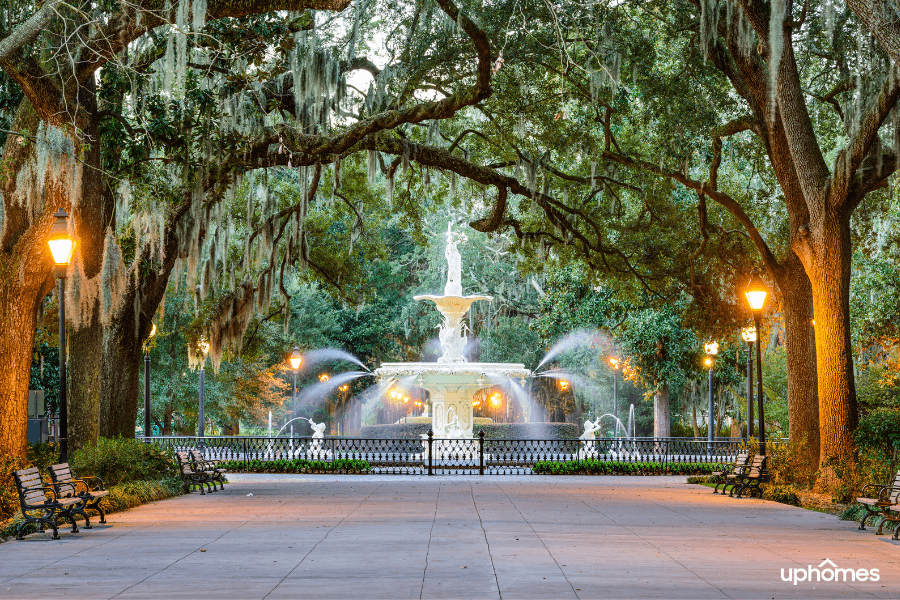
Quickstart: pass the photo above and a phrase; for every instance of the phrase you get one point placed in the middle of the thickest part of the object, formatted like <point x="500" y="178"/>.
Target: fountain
<point x="452" y="381"/>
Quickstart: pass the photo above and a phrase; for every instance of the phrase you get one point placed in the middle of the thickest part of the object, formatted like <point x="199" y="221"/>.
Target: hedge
<point x="297" y="465"/>
<point x="600" y="467"/>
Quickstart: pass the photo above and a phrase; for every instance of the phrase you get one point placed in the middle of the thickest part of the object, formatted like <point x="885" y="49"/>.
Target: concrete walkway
<point x="452" y="537"/>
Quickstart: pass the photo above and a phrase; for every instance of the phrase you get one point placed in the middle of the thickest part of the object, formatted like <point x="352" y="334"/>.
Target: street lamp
<point x="204" y="349"/>
<point x="61" y="246"/>
<point x="749" y="335"/>
<point x="147" y="425"/>
<point x="712" y="348"/>
<point x="295" y="359"/>
<point x="614" y="363"/>
<point x="756" y="293"/>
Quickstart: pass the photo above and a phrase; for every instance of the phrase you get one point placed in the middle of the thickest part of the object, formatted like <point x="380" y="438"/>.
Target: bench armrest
<point x="87" y="479"/>
<point x="44" y="489"/>
<point x="876" y="486"/>
<point x="885" y="493"/>
<point x="70" y="484"/>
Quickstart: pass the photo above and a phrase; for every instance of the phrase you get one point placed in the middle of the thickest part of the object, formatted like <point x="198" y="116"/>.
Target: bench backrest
<point x="185" y="463"/>
<point x="756" y="466"/>
<point x="894" y="495"/>
<point x="29" y="484"/>
<point x="196" y="455"/>
<point x="62" y="474"/>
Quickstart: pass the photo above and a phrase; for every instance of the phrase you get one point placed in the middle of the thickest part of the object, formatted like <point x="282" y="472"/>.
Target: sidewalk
<point x="451" y="537"/>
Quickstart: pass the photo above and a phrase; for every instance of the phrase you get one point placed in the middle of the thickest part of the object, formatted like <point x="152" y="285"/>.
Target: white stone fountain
<point x="452" y="381"/>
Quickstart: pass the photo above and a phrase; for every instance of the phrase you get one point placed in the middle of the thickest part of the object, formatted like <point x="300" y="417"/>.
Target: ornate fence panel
<point x="430" y="456"/>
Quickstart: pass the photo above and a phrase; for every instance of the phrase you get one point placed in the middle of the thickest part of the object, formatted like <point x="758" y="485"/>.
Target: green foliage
<point x="601" y="467"/>
<point x="123" y="460"/>
<point x="45" y="375"/>
<point x="879" y="430"/>
<point x="298" y="465"/>
<point x="786" y="494"/>
<point x="787" y="465"/>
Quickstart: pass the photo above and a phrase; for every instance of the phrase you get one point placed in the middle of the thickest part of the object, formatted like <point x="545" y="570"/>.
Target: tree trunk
<point x="85" y="354"/>
<point x="662" y="416"/>
<point x="799" y="343"/>
<point x="167" y="417"/>
<point x="25" y="268"/>
<point x="830" y="279"/>
<point x="119" y="380"/>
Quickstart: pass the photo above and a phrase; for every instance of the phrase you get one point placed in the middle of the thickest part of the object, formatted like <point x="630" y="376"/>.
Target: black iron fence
<point x="479" y="456"/>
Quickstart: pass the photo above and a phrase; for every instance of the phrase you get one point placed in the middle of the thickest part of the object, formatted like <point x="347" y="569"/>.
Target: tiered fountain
<point x="452" y="381"/>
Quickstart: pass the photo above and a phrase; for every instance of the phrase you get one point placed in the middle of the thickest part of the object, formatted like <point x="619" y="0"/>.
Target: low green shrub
<point x="701" y="479"/>
<point x="855" y="512"/>
<point x="298" y="465"/>
<point x="786" y="494"/>
<point x="602" y="467"/>
<point x="123" y="460"/>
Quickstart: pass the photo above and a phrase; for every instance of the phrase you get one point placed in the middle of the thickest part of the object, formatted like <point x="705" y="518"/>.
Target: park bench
<point x="753" y="476"/>
<point x="880" y="500"/>
<point x="211" y="466"/>
<point x="738" y="468"/>
<point x="35" y="497"/>
<point x="192" y="474"/>
<point x="88" y="488"/>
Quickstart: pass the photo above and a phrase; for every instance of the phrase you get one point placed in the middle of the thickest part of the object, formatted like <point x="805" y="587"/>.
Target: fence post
<point x="246" y="457"/>
<point x="481" y="452"/>
<point x="430" y="450"/>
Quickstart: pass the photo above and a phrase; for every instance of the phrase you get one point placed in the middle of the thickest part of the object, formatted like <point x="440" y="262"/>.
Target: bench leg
<point x="869" y="513"/>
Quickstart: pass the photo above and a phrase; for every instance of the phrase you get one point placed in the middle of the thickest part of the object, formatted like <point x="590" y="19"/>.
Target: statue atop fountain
<point x="453" y="305"/>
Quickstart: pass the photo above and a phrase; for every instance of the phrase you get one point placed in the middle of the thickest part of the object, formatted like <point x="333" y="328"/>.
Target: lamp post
<point x="749" y="335"/>
<point x="756" y="293"/>
<point x="61" y="246"/>
<point x="712" y="348"/>
<point x="201" y="417"/>
<point x="296" y="359"/>
<point x="147" y="425"/>
<point x="614" y="363"/>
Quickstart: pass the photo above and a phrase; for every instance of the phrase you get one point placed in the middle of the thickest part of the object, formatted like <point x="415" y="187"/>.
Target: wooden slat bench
<point x="35" y="497"/>
<point x="192" y="475"/>
<point x="210" y="466"/>
<point x="90" y="489"/>
<point x="751" y="479"/>
<point x="879" y="500"/>
<point x="738" y="468"/>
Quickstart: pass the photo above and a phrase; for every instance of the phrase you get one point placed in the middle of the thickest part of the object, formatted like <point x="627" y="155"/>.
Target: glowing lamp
<point x="749" y="334"/>
<point x="60" y="242"/>
<point x="296" y="359"/>
<point x="406" y="399"/>
<point x="563" y="384"/>
<point x="152" y="329"/>
<point x="708" y="362"/>
<point x="495" y="399"/>
<point x="324" y="377"/>
<point x="756" y="292"/>
<point x="712" y="348"/>
<point x="344" y="387"/>
<point x="614" y="363"/>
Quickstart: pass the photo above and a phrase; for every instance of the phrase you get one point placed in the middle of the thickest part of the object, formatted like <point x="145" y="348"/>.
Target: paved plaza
<point x="286" y="536"/>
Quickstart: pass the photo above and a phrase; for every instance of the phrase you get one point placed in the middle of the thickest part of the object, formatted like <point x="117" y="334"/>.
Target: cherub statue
<point x="318" y="429"/>
<point x="590" y="427"/>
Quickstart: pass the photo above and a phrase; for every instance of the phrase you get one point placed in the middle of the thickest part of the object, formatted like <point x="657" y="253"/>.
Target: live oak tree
<point x="58" y="147"/>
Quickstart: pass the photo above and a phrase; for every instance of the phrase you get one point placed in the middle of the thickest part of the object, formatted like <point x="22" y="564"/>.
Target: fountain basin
<point x="452" y="386"/>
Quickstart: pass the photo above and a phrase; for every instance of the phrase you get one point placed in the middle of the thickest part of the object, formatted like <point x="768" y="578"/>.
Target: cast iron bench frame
<point x="741" y="462"/>
<point x="753" y="476"/>
<point x="209" y="466"/>
<point x="192" y="474"/>
<point x="33" y="496"/>
<point x="887" y="500"/>
<point x="81" y="487"/>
